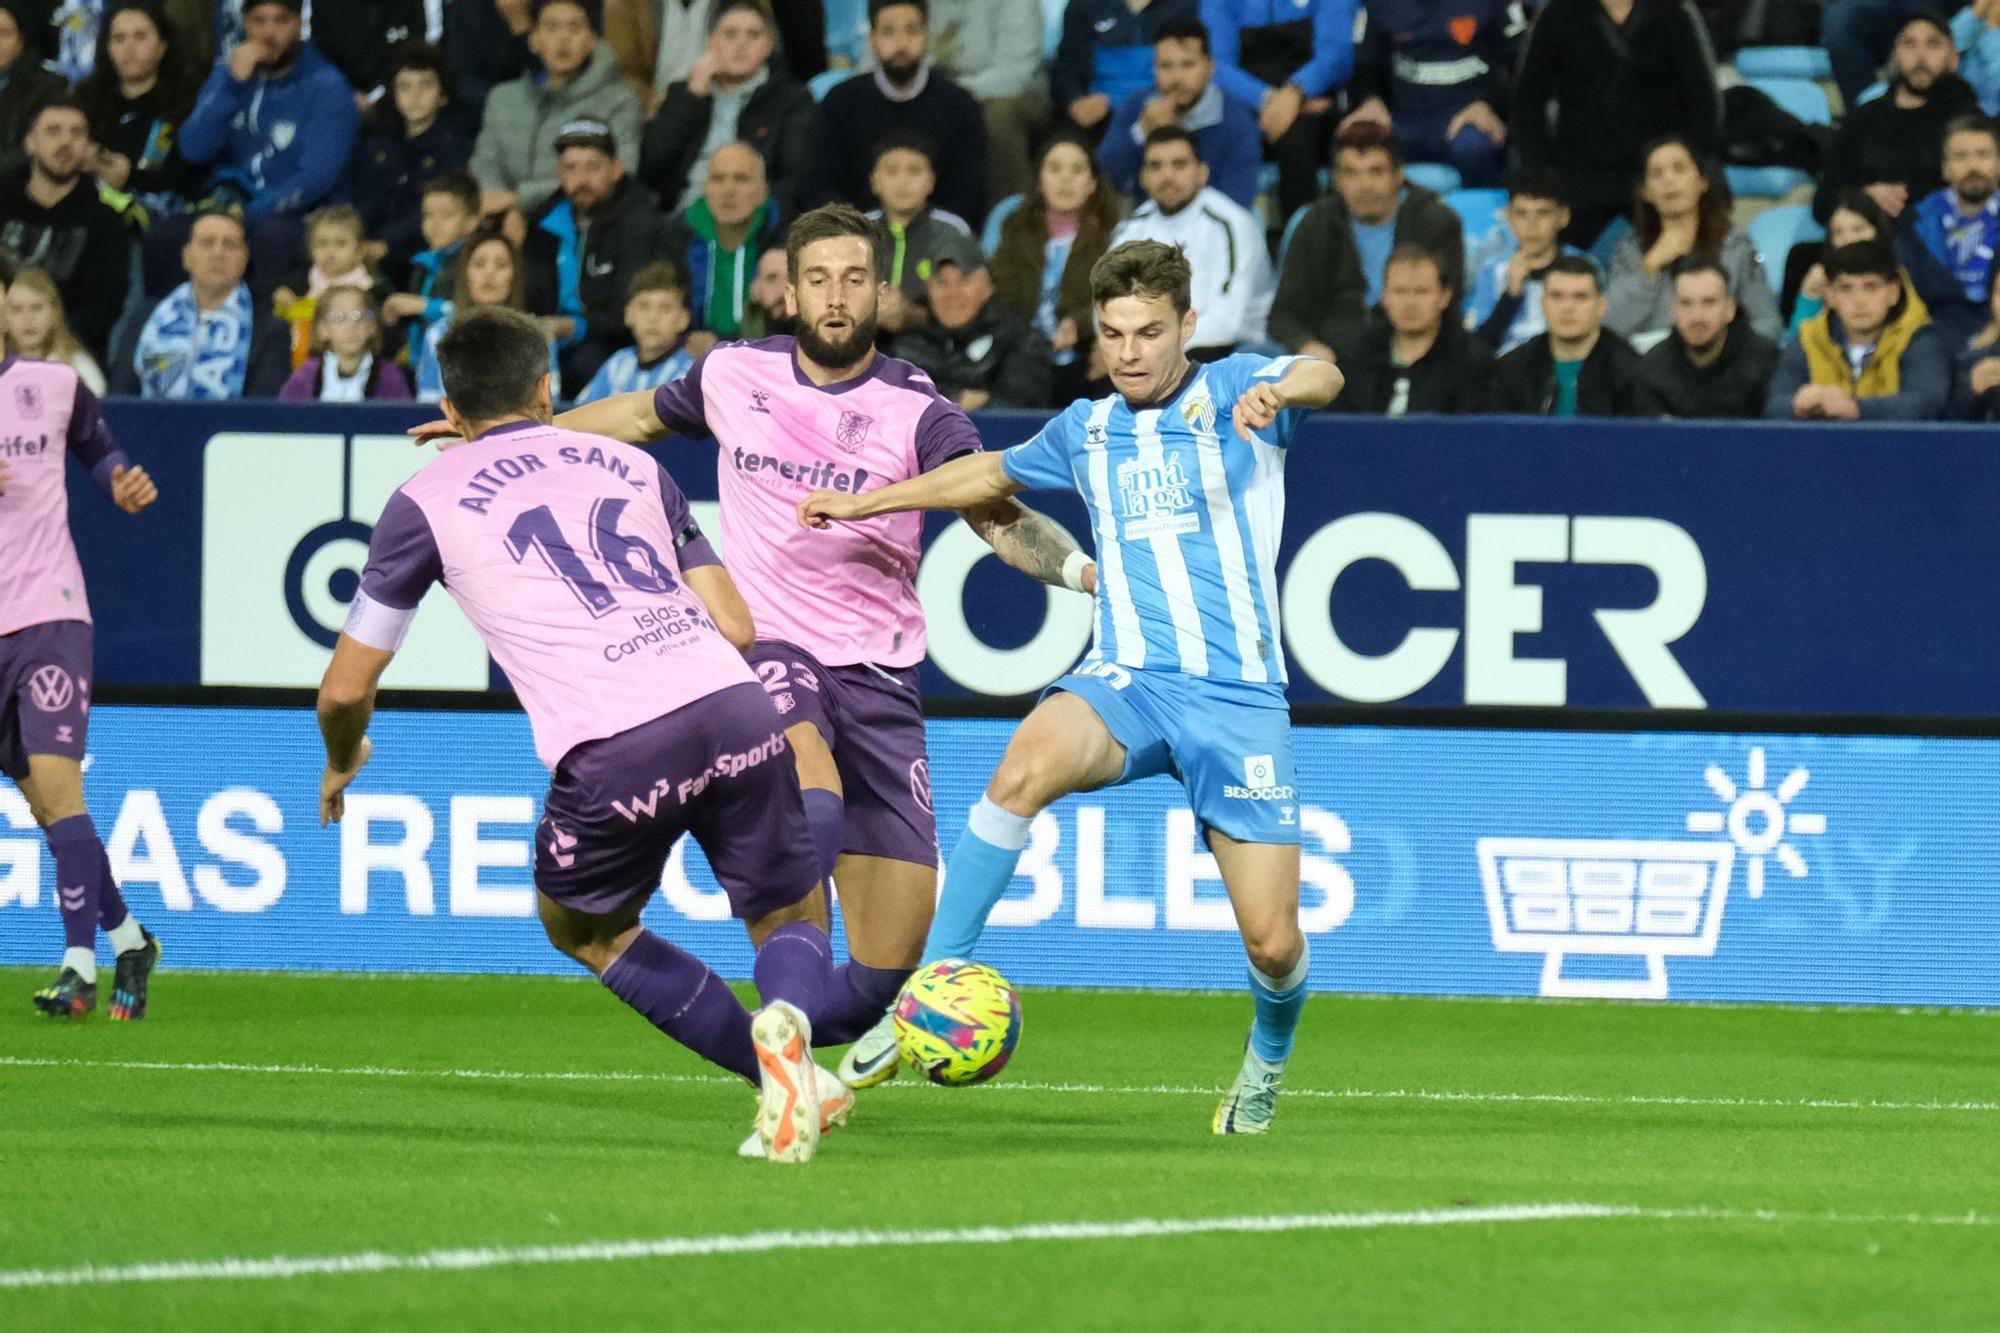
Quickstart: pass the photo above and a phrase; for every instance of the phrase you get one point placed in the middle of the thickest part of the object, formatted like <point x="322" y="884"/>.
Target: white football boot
<point x="873" y="1058"/>
<point x="788" y="1108"/>
<point x="835" y="1101"/>
<point x="1252" y="1100"/>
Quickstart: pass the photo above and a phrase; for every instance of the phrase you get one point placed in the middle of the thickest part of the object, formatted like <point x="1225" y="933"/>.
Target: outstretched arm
<point x="346" y="703"/>
<point x="962" y="484"/>
<point x="1033" y="544"/>
<point x="630" y="417"/>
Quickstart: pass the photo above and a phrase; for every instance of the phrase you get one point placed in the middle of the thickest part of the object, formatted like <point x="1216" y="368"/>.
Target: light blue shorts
<point x="1228" y="745"/>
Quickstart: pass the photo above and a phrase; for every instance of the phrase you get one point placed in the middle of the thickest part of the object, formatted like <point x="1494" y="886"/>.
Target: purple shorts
<point x="718" y="768"/>
<point x="873" y="720"/>
<point x="44" y="693"/>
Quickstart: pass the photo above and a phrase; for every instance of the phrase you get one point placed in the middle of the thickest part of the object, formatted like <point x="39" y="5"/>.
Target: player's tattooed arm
<point x="1032" y="543"/>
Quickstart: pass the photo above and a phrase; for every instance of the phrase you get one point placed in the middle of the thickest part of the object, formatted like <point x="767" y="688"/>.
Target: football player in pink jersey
<point x="840" y="630"/>
<point x="46" y="416"/>
<point x="576" y="559"/>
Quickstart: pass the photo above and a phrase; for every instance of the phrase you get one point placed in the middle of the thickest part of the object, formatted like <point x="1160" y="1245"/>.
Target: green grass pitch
<point x="445" y="1153"/>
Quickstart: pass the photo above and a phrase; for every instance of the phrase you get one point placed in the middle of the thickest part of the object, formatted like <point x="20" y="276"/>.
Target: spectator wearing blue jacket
<point x="1436" y="76"/>
<point x="1287" y="58"/>
<point x="275" y="123"/>
<point x="1106" y="55"/>
<point x="1959" y="225"/>
<point x="1184" y="93"/>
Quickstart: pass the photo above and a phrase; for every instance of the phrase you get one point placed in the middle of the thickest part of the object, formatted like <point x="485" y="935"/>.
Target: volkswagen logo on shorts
<point x="51" y="689"/>
<point x="920" y="783"/>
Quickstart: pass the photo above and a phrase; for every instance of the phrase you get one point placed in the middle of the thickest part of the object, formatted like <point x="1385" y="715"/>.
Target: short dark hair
<point x="1536" y="182"/>
<point x="58" y="102"/>
<point x="1366" y="136"/>
<point x="1688" y="266"/>
<point x="490" y="359"/>
<point x="1143" y="268"/>
<point x="1172" y="134"/>
<point x="724" y="8"/>
<point x="1862" y="259"/>
<point x="459" y="185"/>
<point x="1969" y="125"/>
<point x="875" y="8"/>
<point x="905" y="141"/>
<point x="830" y="222"/>
<point x="658" y="276"/>
<point x="593" y="11"/>
<point x="1409" y="252"/>
<point x="1577" y="266"/>
<point x="420" y="58"/>
<point x="229" y="215"/>
<point x="1185" y="30"/>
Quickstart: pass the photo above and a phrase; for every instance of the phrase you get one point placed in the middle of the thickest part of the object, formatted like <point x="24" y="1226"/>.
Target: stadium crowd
<point x="1478" y="206"/>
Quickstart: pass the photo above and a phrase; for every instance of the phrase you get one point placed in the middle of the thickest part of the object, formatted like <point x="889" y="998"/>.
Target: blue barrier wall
<point x="1739" y="567"/>
<point x="1693" y="866"/>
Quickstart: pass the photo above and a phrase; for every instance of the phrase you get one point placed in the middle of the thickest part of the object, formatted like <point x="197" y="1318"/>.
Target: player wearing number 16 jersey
<point x="576" y="559"/>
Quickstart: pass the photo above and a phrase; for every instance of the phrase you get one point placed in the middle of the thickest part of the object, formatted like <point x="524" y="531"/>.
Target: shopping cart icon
<point x="1611" y="896"/>
<point x="1626" y="897"/>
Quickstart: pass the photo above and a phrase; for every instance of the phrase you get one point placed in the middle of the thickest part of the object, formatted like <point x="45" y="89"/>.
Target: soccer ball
<point x="957" y="1021"/>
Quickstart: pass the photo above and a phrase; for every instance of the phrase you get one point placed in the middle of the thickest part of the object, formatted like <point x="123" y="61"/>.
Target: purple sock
<point x="681" y="997"/>
<point x="857" y="998"/>
<point x="826" y="816"/>
<point x="795" y="964"/>
<point x="81" y="874"/>
<point x="111" y="909"/>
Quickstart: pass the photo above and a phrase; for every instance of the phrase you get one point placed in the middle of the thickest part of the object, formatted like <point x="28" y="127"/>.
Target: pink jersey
<point x="847" y="593"/>
<point x="566" y="552"/>
<point x="46" y="414"/>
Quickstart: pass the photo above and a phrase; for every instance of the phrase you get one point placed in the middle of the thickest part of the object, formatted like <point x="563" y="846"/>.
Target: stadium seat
<point x="1052" y="25"/>
<point x="1775" y="231"/>
<point x="989" y="235"/>
<point x="1764" y="182"/>
<point x="1433" y="176"/>
<point x="1477" y="209"/>
<point x="1607" y="241"/>
<point x="847" y="31"/>
<point x="1783" y="62"/>
<point x="1871" y="92"/>
<point x="1801" y="97"/>
<point x="1291" y="225"/>
<point x="819" y="84"/>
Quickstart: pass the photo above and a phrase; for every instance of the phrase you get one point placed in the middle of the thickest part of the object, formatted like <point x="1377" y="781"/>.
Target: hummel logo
<point x="758" y="400"/>
<point x="560" y="845"/>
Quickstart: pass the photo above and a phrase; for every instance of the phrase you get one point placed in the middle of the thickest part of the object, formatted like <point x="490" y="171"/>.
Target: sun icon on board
<point x="1757" y="821"/>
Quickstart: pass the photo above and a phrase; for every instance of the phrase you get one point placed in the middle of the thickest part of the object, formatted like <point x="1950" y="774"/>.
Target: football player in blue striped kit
<point x="1182" y="471"/>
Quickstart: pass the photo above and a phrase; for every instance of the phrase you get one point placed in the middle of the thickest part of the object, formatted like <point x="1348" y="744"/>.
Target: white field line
<point x="1076" y="1089"/>
<point x="762" y="1242"/>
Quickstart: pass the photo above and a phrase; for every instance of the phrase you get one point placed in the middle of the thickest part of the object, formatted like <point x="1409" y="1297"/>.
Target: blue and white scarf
<point x="191" y="355"/>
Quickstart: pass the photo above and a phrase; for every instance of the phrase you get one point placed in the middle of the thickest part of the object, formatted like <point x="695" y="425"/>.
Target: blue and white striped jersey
<point x="1186" y="514"/>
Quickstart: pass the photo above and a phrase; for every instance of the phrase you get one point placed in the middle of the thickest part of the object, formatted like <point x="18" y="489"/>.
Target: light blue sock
<point x="1279" y="1001"/>
<point x="976" y="878"/>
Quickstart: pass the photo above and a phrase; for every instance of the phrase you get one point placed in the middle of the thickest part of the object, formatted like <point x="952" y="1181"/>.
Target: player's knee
<point x="1027" y="780"/>
<point x="1274" y="946"/>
